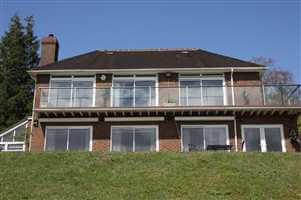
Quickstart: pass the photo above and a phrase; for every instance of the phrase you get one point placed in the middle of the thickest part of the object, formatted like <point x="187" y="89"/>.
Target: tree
<point x="18" y="53"/>
<point x="288" y="93"/>
<point x="274" y="75"/>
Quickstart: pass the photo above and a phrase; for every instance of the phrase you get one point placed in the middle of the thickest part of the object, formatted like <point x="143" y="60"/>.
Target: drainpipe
<point x="235" y="134"/>
<point x="232" y="87"/>
<point x="233" y="104"/>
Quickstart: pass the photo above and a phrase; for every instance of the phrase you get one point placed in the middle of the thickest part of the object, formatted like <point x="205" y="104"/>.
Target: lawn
<point x="79" y="175"/>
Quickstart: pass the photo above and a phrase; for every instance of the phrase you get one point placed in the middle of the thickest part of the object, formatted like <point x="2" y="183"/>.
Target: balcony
<point x="266" y="95"/>
<point x="127" y="100"/>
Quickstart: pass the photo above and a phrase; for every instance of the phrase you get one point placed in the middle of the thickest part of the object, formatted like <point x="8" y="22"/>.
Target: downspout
<point x="233" y="104"/>
<point x="232" y="87"/>
<point x="235" y="134"/>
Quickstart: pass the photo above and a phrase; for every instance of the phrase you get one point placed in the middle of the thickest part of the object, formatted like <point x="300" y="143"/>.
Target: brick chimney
<point x="50" y="50"/>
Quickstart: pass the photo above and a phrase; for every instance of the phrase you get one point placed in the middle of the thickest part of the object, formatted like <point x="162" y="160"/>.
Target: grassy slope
<point x="150" y="176"/>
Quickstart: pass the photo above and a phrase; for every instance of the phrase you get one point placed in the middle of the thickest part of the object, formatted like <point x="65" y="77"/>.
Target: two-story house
<point x="158" y="100"/>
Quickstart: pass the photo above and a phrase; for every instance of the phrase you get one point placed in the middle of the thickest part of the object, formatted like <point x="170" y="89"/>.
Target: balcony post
<point x="232" y="87"/>
<point x="263" y="94"/>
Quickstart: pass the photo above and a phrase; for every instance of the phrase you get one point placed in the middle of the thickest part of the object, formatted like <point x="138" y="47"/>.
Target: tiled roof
<point x="147" y="59"/>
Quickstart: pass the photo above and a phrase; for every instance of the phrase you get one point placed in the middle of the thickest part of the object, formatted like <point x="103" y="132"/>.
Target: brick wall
<point x="288" y="123"/>
<point x="169" y="132"/>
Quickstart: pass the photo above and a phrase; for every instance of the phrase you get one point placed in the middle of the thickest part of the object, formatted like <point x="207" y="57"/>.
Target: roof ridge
<point x="149" y="49"/>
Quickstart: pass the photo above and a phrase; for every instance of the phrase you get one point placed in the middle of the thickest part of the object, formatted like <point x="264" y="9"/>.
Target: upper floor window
<point x="71" y="92"/>
<point x="198" y="90"/>
<point x="134" y="91"/>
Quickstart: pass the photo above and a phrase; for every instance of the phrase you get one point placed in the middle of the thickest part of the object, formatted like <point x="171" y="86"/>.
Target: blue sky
<point x="242" y="29"/>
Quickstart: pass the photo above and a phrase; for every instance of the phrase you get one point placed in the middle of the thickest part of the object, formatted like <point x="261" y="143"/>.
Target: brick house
<point x="158" y="100"/>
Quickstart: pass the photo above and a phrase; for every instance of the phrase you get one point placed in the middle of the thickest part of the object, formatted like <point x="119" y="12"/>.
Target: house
<point x="158" y="100"/>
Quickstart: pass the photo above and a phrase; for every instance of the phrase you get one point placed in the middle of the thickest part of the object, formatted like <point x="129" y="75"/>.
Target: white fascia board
<point x="91" y="119"/>
<point x="94" y="71"/>
<point x="132" y="119"/>
<point x="217" y="118"/>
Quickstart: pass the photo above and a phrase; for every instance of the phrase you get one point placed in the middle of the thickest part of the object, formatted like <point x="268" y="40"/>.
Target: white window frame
<point x="201" y="78"/>
<point x="74" y="78"/>
<point x="70" y="127"/>
<point x="151" y="77"/>
<point x="134" y="141"/>
<point x="262" y="135"/>
<point x="204" y="126"/>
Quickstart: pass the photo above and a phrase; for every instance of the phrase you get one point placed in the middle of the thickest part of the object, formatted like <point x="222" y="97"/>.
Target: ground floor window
<point x="134" y="138"/>
<point x="199" y="137"/>
<point x="68" y="138"/>
<point x="263" y="138"/>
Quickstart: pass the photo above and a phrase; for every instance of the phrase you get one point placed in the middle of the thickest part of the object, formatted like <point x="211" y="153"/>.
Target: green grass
<point x="79" y="175"/>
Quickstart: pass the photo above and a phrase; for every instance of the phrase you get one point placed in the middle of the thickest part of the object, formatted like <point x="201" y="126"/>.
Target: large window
<point x="196" y="90"/>
<point x="71" y="92"/>
<point x="263" y="138"/>
<point x="198" y="137"/>
<point x="134" y="138"/>
<point x="68" y="138"/>
<point x="134" y="91"/>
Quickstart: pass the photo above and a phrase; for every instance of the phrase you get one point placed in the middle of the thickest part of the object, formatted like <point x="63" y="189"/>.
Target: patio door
<point x="202" y="91"/>
<point x="263" y="138"/>
<point x="134" y="91"/>
<point x="198" y="137"/>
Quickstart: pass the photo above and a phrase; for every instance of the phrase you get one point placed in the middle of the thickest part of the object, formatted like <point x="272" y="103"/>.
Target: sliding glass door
<point x="68" y="138"/>
<point x="71" y="92"/>
<point x="199" y="137"/>
<point x="134" y="91"/>
<point x="134" y="138"/>
<point x="263" y="138"/>
<point x="198" y="91"/>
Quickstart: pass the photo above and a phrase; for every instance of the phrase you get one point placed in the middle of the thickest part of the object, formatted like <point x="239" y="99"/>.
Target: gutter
<point x="93" y="71"/>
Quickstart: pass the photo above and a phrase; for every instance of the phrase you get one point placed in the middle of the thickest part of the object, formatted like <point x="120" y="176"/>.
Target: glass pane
<point x="122" y="139"/>
<point x="8" y="137"/>
<point x="145" y="139"/>
<point x="20" y="134"/>
<point x="213" y="92"/>
<point x="252" y="139"/>
<point x="145" y="93"/>
<point x="79" y="139"/>
<point x="190" y="93"/>
<point x="82" y="93"/>
<point x="215" y="136"/>
<point x="193" y="139"/>
<point x="60" y="93"/>
<point x="273" y="139"/>
<point x="123" y="92"/>
<point x="56" y="139"/>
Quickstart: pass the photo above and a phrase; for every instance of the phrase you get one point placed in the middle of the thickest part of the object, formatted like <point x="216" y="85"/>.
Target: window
<point x="68" y="138"/>
<point x="198" y="137"/>
<point x="134" y="138"/>
<point x="201" y="90"/>
<point x="71" y="92"/>
<point x="134" y="91"/>
<point x="263" y="138"/>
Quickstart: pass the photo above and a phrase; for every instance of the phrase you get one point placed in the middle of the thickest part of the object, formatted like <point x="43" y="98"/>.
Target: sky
<point x="238" y="28"/>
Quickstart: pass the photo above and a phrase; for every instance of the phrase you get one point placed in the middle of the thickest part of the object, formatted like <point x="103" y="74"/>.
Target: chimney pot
<point x="49" y="50"/>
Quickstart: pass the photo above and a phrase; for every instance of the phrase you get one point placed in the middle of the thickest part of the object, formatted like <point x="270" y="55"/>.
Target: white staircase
<point x="13" y="138"/>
